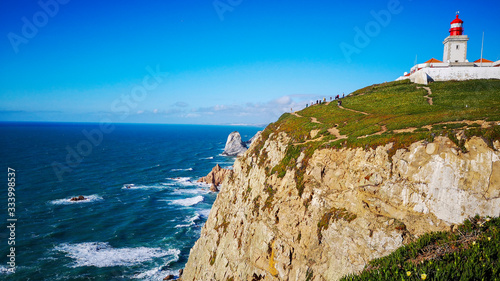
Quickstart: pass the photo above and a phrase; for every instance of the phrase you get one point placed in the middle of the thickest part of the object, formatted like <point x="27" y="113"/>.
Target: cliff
<point x="319" y="194"/>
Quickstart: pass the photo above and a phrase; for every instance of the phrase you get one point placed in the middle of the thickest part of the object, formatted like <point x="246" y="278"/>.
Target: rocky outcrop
<point x="235" y="146"/>
<point x="355" y="205"/>
<point x="215" y="177"/>
<point x="250" y="141"/>
<point x="79" y="198"/>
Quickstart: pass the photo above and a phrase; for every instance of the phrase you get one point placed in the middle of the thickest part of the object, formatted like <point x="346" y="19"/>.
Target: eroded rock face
<point x="215" y="177"/>
<point x="235" y="146"/>
<point x="356" y="205"/>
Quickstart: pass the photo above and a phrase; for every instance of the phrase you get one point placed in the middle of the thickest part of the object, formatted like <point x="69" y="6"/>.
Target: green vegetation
<point x="374" y="116"/>
<point x="268" y="204"/>
<point x="256" y="205"/>
<point x="309" y="274"/>
<point x="335" y="215"/>
<point x="212" y="257"/>
<point x="472" y="252"/>
<point x="223" y="225"/>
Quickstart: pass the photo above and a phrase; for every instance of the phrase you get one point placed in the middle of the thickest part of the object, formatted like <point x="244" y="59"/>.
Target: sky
<point x="215" y="61"/>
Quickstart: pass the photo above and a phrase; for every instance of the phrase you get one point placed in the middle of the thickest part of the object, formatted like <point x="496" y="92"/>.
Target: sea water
<point x="144" y="209"/>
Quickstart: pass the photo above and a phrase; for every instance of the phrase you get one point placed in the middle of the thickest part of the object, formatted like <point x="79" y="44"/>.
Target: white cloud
<point x="263" y="112"/>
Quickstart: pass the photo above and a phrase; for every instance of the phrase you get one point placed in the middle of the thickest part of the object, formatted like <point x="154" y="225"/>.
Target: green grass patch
<point x="470" y="253"/>
<point x="396" y="105"/>
<point x="335" y="215"/>
<point x="268" y="204"/>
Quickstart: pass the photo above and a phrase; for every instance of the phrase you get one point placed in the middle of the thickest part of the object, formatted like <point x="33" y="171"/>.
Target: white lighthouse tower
<point x="455" y="65"/>
<point x="455" y="45"/>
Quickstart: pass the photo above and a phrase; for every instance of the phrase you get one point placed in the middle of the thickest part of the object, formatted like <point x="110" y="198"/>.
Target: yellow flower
<point x="489" y="238"/>
<point x="408" y="273"/>
<point x="423" y="276"/>
<point x="474" y="243"/>
<point x="488" y="219"/>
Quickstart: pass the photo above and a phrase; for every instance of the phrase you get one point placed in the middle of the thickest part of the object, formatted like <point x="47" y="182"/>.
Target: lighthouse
<point x="455" y="65"/>
<point x="455" y="45"/>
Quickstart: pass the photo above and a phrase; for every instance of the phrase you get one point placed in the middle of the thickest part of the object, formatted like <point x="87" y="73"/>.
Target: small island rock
<point x="79" y="198"/>
<point x="215" y="177"/>
<point x="235" y="146"/>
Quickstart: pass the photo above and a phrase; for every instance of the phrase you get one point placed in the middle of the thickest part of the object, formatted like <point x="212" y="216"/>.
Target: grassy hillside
<point x="397" y="106"/>
<point x="396" y="112"/>
<point x="472" y="252"/>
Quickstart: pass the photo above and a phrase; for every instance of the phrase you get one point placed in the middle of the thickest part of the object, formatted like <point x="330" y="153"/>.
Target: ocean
<point x="144" y="210"/>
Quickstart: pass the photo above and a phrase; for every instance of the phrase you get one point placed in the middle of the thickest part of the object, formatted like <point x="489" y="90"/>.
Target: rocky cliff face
<point x="235" y="146"/>
<point x="355" y="205"/>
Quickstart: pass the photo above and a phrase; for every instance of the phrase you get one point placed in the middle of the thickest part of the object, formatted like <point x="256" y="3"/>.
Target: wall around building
<point x="425" y="75"/>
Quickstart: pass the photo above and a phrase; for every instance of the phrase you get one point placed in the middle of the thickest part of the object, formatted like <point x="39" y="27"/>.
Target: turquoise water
<point x="144" y="209"/>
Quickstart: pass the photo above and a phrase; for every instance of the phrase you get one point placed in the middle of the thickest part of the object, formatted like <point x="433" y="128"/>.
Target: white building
<point x="455" y="65"/>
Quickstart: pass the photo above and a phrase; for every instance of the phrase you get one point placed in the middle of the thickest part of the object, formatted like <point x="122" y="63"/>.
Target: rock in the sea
<point x="215" y="177"/>
<point x="234" y="145"/>
<point x="180" y="272"/>
<point x="79" y="198"/>
<point x="214" y="188"/>
<point x="169" y="277"/>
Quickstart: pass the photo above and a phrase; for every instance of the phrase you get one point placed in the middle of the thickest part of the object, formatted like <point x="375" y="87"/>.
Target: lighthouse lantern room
<point x="455" y="45"/>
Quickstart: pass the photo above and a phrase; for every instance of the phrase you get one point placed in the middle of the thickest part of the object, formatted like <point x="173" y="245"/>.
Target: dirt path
<point x="429" y="99"/>
<point x="354" y="110"/>
<point x="307" y="141"/>
<point x="484" y="124"/>
<point x="314" y="120"/>
<point x="335" y="132"/>
<point x="405" y="130"/>
<point x="384" y="129"/>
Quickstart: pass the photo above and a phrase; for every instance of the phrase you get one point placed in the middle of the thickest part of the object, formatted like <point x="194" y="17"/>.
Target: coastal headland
<point x="325" y="190"/>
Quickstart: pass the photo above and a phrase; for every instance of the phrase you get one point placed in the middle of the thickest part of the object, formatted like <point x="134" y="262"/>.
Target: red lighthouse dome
<point x="456" y="27"/>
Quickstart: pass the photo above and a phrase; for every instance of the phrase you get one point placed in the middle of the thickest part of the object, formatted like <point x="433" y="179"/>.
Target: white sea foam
<point x="66" y="201"/>
<point x="190" y="221"/>
<point x="188" y="201"/>
<point x="4" y="270"/>
<point x="177" y="170"/>
<point x="101" y="254"/>
<point x="154" y="186"/>
<point x="204" y="212"/>
<point x="191" y="190"/>
<point x="183" y="181"/>
<point x="208" y="158"/>
<point x="155" y="274"/>
<point x="187" y="182"/>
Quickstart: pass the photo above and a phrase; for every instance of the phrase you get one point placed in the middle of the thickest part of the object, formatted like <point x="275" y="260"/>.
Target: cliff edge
<point x="325" y="190"/>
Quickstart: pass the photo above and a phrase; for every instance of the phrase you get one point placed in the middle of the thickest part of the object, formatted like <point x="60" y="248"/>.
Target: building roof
<point x="433" y="60"/>
<point x="483" y="60"/>
<point x="457" y="20"/>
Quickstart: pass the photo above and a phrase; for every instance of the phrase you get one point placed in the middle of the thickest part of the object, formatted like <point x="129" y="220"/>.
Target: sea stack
<point x="235" y="146"/>
<point x="215" y="177"/>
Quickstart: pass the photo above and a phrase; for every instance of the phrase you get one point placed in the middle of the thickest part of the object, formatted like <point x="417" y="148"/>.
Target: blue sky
<point x="214" y="62"/>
